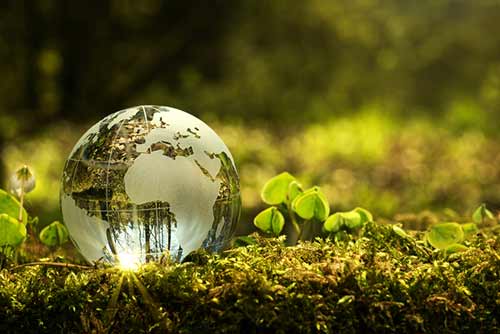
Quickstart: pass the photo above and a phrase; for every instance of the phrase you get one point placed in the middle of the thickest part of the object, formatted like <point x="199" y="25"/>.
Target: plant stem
<point x="302" y="230"/>
<point x="293" y="220"/>
<point x="297" y="228"/>
<point x="21" y="201"/>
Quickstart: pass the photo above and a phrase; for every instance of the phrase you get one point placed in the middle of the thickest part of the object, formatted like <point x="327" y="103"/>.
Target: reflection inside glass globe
<point x="128" y="261"/>
<point x="149" y="182"/>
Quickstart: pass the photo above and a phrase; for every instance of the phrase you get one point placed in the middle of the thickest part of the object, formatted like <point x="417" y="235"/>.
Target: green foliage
<point x="335" y="222"/>
<point x="364" y="214"/>
<point x="481" y="214"/>
<point x="270" y="221"/>
<point x="414" y="165"/>
<point x="341" y="224"/>
<point x="54" y="234"/>
<point x="454" y="248"/>
<point x="343" y="220"/>
<point x="443" y="235"/>
<point x="304" y="210"/>
<point x="10" y="206"/>
<point x="276" y="189"/>
<point x="381" y="282"/>
<point x="294" y="190"/>
<point x="12" y="232"/>
<point x="470" y="229"/>
<point x="399" y="231"/>
<point x="449" y="236"/>
<point x="311" y="204"/>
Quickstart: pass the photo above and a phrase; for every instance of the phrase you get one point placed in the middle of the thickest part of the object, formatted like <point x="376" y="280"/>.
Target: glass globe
<point x="146" y="182"/>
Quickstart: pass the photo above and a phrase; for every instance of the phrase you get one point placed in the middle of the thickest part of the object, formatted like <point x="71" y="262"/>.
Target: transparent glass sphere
<point x="149" y="181"/>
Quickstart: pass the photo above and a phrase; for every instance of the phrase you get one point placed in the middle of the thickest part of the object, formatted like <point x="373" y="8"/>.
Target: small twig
<point x="51" y="264"/>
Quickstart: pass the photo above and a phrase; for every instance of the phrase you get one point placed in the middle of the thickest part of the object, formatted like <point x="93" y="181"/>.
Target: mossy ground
<point x="379" y="283"/>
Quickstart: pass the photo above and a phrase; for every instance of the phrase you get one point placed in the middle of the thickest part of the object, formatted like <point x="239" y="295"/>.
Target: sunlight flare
<point x="128" y="261"/>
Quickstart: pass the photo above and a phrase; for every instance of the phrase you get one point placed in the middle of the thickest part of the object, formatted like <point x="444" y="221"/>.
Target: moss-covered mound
<point x="383" y="282"/>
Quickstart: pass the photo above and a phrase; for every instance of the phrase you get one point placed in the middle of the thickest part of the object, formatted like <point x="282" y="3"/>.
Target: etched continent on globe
<point x="147" y="180"/>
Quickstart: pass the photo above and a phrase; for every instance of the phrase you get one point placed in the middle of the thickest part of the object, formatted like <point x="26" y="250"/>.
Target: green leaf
<point x="277" y="223"/>
<point x="275" y="190"/>
<point x="366" y="215"/>
<point x="334" y="223"/>
<point x="346" y="300"/>
<point x="399" y="231"/>
<point x="12" y="232"/>
<point x="443" y="235"/>
<point x="352" y="219"/>
<point x="344" y="220"/>
<point x="455" y="248"/>
<point x="10" y="206"/>
<point x="270" y="221"/>
<point x="54" y="234"/>
<point x="311" y="204"/>
<point x="294" y="190"/>
<point x="470" y="229"/>
<point x="481" y="214"/>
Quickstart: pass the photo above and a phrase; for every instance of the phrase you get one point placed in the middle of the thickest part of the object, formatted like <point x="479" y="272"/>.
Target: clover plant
<point x="342" y="223"/>
<point x="22" y="182"/>
<point x="302" y="209"/>
<point x="12" y="234"/>
<point x="54" y="234"/>
<point x="450" y="236"/>
<point x="481" y="214"/>
<point x="15" y="224"/>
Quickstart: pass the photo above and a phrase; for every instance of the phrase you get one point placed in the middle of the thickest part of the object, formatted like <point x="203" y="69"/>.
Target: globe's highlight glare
<point x="128" y="261"/>
<point x="149" y="181"/>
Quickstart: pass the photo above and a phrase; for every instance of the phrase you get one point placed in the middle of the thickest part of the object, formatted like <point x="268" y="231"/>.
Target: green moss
<point x="383" y="282"/>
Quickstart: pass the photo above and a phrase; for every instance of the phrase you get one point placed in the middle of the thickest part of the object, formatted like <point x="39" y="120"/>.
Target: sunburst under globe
<point x="146" y="182"/>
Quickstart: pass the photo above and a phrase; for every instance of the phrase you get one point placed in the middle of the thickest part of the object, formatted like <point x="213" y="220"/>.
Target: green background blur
<point x="389" y="105"/>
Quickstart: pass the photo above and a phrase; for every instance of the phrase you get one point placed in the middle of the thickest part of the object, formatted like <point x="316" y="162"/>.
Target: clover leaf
<point x="334" y="223"/>
<point x="12" y="232"/>
<point x="342" y="220"/>
<point x="366" y="215"/>
<point x="349" y="220"/>
<point x="311" y="204"/>
<point x="270" y="220"/>
<point x="276" y="189"/>
<point x="455" y="248"/>
<point x="10" y="206"/>
<point x="443" y="235"/>
<point x="481" y="214"/>
<point x="54" y="234"/>
<point x="470" y="229"/>
<point x="294" y="190"/>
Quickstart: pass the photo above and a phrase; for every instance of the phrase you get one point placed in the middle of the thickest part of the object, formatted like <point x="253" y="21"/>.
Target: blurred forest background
<point x="391" y="105"/>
